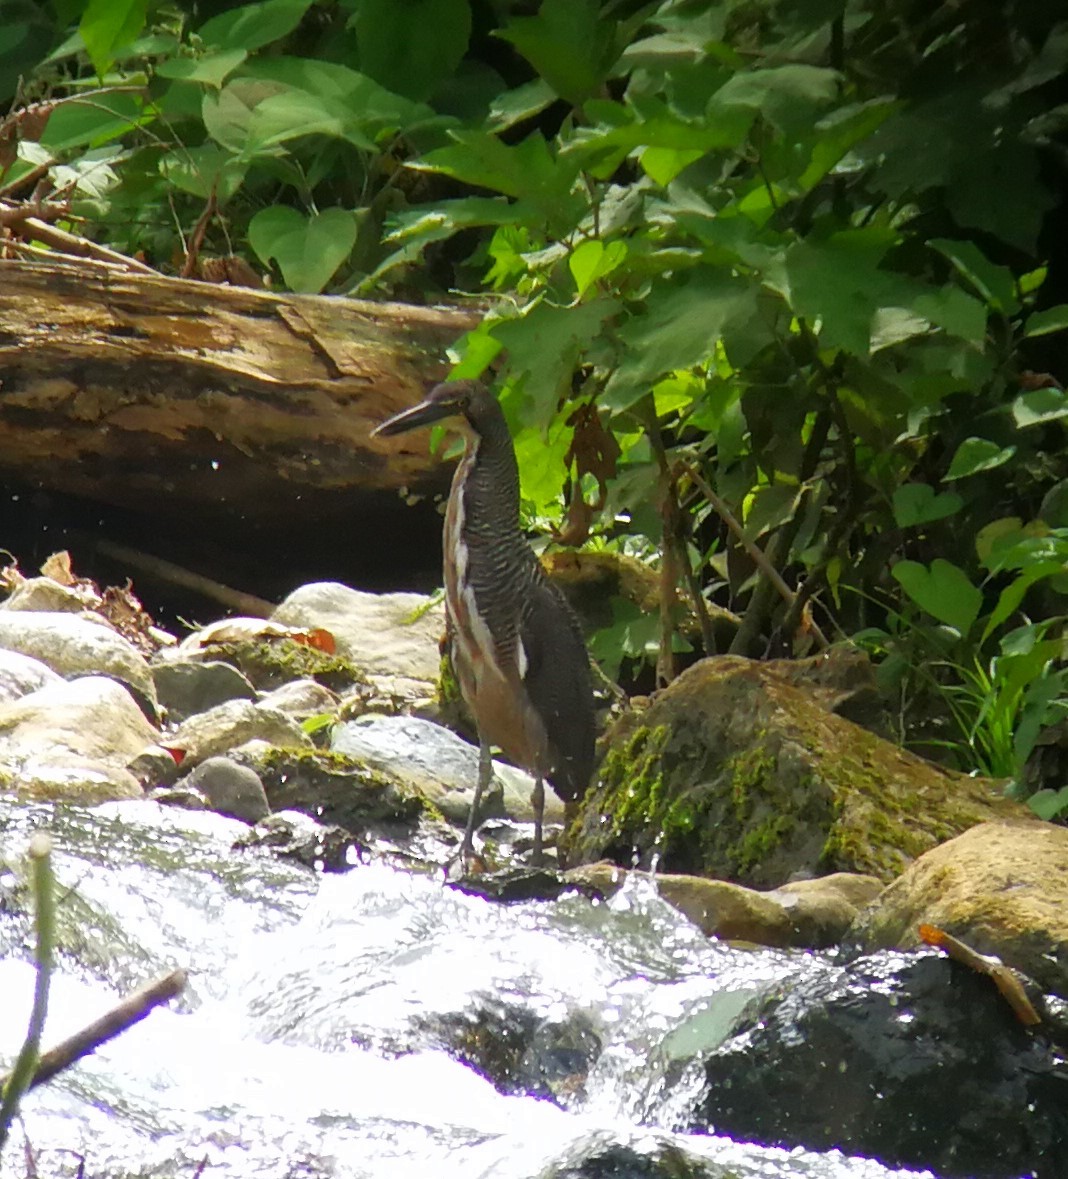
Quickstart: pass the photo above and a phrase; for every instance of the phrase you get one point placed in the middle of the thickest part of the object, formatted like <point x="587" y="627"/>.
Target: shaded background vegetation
<point x="789" y="275"/>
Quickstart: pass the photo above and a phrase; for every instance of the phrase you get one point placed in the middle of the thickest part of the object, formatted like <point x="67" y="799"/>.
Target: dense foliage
<point x="788" y="269"/>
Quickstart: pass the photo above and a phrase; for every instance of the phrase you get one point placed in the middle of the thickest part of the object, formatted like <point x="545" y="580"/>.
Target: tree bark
<point x="169" y="395"/>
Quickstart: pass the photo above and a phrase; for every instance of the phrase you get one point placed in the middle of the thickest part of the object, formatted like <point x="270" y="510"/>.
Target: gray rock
<point x="154" y="766"/>
<point x="301" y="699"/>
<point x="76" y="645"/>
<point x="392" y="636"/>
<point x="186" y="687"/>
<point x="228" y="725"/>
<point x="21" y="674"/>
<point x="41" y="594"/>
<point x="441" y="766"/>
<point x="74" y="740"/>
<point x="230" y="789"/>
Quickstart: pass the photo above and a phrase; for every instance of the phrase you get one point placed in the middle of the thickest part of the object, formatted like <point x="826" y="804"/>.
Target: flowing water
<point x="325" y="1018"/>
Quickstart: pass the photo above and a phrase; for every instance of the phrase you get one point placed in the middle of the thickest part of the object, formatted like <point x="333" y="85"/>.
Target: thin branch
<point x="128" y="1011"/>
<point x="69" y="243"/>
<point x="21" y="1077"/>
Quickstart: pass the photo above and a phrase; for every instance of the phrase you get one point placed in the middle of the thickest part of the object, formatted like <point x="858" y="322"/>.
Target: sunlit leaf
<point x="1053" y="319"/>
<point x="943" y="590"/>
<point x="978" y="454"/>
<point x="308" y="250"/>
<point x="917" y="503"/>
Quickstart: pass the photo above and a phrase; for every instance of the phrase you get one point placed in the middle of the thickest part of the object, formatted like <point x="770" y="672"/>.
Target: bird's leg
<point x="485" y="773"/>
<point x="537" y="801"/>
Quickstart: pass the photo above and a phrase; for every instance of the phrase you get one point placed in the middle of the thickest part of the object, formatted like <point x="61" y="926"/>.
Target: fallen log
<point x="169" y="396"/>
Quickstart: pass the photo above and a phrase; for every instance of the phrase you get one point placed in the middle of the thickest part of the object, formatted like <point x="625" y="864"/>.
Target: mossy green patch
<point x="270" y="663"/>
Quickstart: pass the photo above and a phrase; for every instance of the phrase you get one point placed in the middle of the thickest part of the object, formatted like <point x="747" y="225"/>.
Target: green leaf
<point x="975" y="455"/>
<point x="1040" y="405"/>
<point x="994" y="284"/>
<point x="253" y="25"/>
<point x="513" y="106"/>
<point x="943" y="590"/>
<point x="592" y="259"/>
<point x="787" y="96"/>
<point x="770" y="506"/>
<point x="109" y="25"/>
<point x="570" y="43"/>
<point x="1013" y="594"/>
<point x="204" y="170"/>
<point x="684" y="319"/>
<point x="212" y="69"/>
<point x="544" y="345"/>
<point x="1053" y="319"/>
<point x="308" y="250"/>
<point x="1048" y="804"/>
<point x="917" y="503"/>
<point x="411" y="47"/>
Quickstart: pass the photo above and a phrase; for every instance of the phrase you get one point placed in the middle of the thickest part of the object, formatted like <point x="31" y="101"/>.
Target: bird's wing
<point x="555" y="668"/>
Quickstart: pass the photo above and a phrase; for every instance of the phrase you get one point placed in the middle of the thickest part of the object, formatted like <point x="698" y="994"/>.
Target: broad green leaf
<point x="571" y="44"/>
<point x="1048" y="804"/>
<point x="308" y="250"/>
<point x="253" y="25"/>
<point x="768" y="507"/>
<point x="282" y="117"/>
<point x="836" y="282"/>
<point x="663" y="164"/>
<point x="204" y="170"/>
<point x="413" y="46"/>
<point x="943" y="590"/>
<point x="1013" y="594"/>
<point x="513" y="106"/>
<point x="212" y="69"/>
<point x="228" y="113"/>
<point x="109" y="25"/>
<point x="894" y="325"/>
<point x="1053" y="319"/>
<point x="544" y="345"/>
<point x="975" y="455"/>
<point x="592" y="259"/>
<point x="839" y="131"/>
<point x="684" y="318"/>
<point x="954" y="311"/>
<point x="786" y="95"/>
<point x="917" y="503"/>
<point x="93" y="122"/>
<point x="371" y="105"/>
<point x="994" y="284"/>
<point x="1040" y="405"/>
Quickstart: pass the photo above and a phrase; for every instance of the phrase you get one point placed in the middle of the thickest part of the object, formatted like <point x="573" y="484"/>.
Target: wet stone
<point x="187" y="687"/>
<point x="230" y="789"/>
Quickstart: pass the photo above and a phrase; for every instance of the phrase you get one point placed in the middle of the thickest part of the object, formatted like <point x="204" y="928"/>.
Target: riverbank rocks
<point x="79" y="645"/>
<point x="1001" y="887"/>
<point x="73" y="740"/>
<point x="908" y="1058"/>
<point x="441" y="766"/>
<point x="740" y="770"/>
<point x="813" y="914"/>
<point x="392" y="638"/>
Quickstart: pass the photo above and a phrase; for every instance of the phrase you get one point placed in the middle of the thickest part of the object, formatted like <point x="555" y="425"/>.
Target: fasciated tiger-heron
<point x="517" y="648"/>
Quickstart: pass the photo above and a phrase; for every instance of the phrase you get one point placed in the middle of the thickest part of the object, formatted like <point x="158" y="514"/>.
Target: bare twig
<point x="22" y="1075"/>
<point x="754" y="551"/>
<point x="173" y="574"/>
<point x="121" y="1017"/>
<point x="69" y="243"/>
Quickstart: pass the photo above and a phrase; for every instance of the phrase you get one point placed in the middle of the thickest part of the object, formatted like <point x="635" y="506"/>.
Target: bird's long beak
<point x="423" y="413"/>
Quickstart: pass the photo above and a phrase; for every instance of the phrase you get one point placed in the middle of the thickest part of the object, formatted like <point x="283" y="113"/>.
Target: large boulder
<point x="1000" y="887"/>
<point x="73" y="740"/>
<point x="740" y="770"/>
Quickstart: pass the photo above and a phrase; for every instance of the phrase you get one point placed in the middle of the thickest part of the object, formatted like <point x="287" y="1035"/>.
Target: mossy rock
<point x="335" y="788"/>
<point x="269" y="663"/>
<point x="739" y="770"/>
